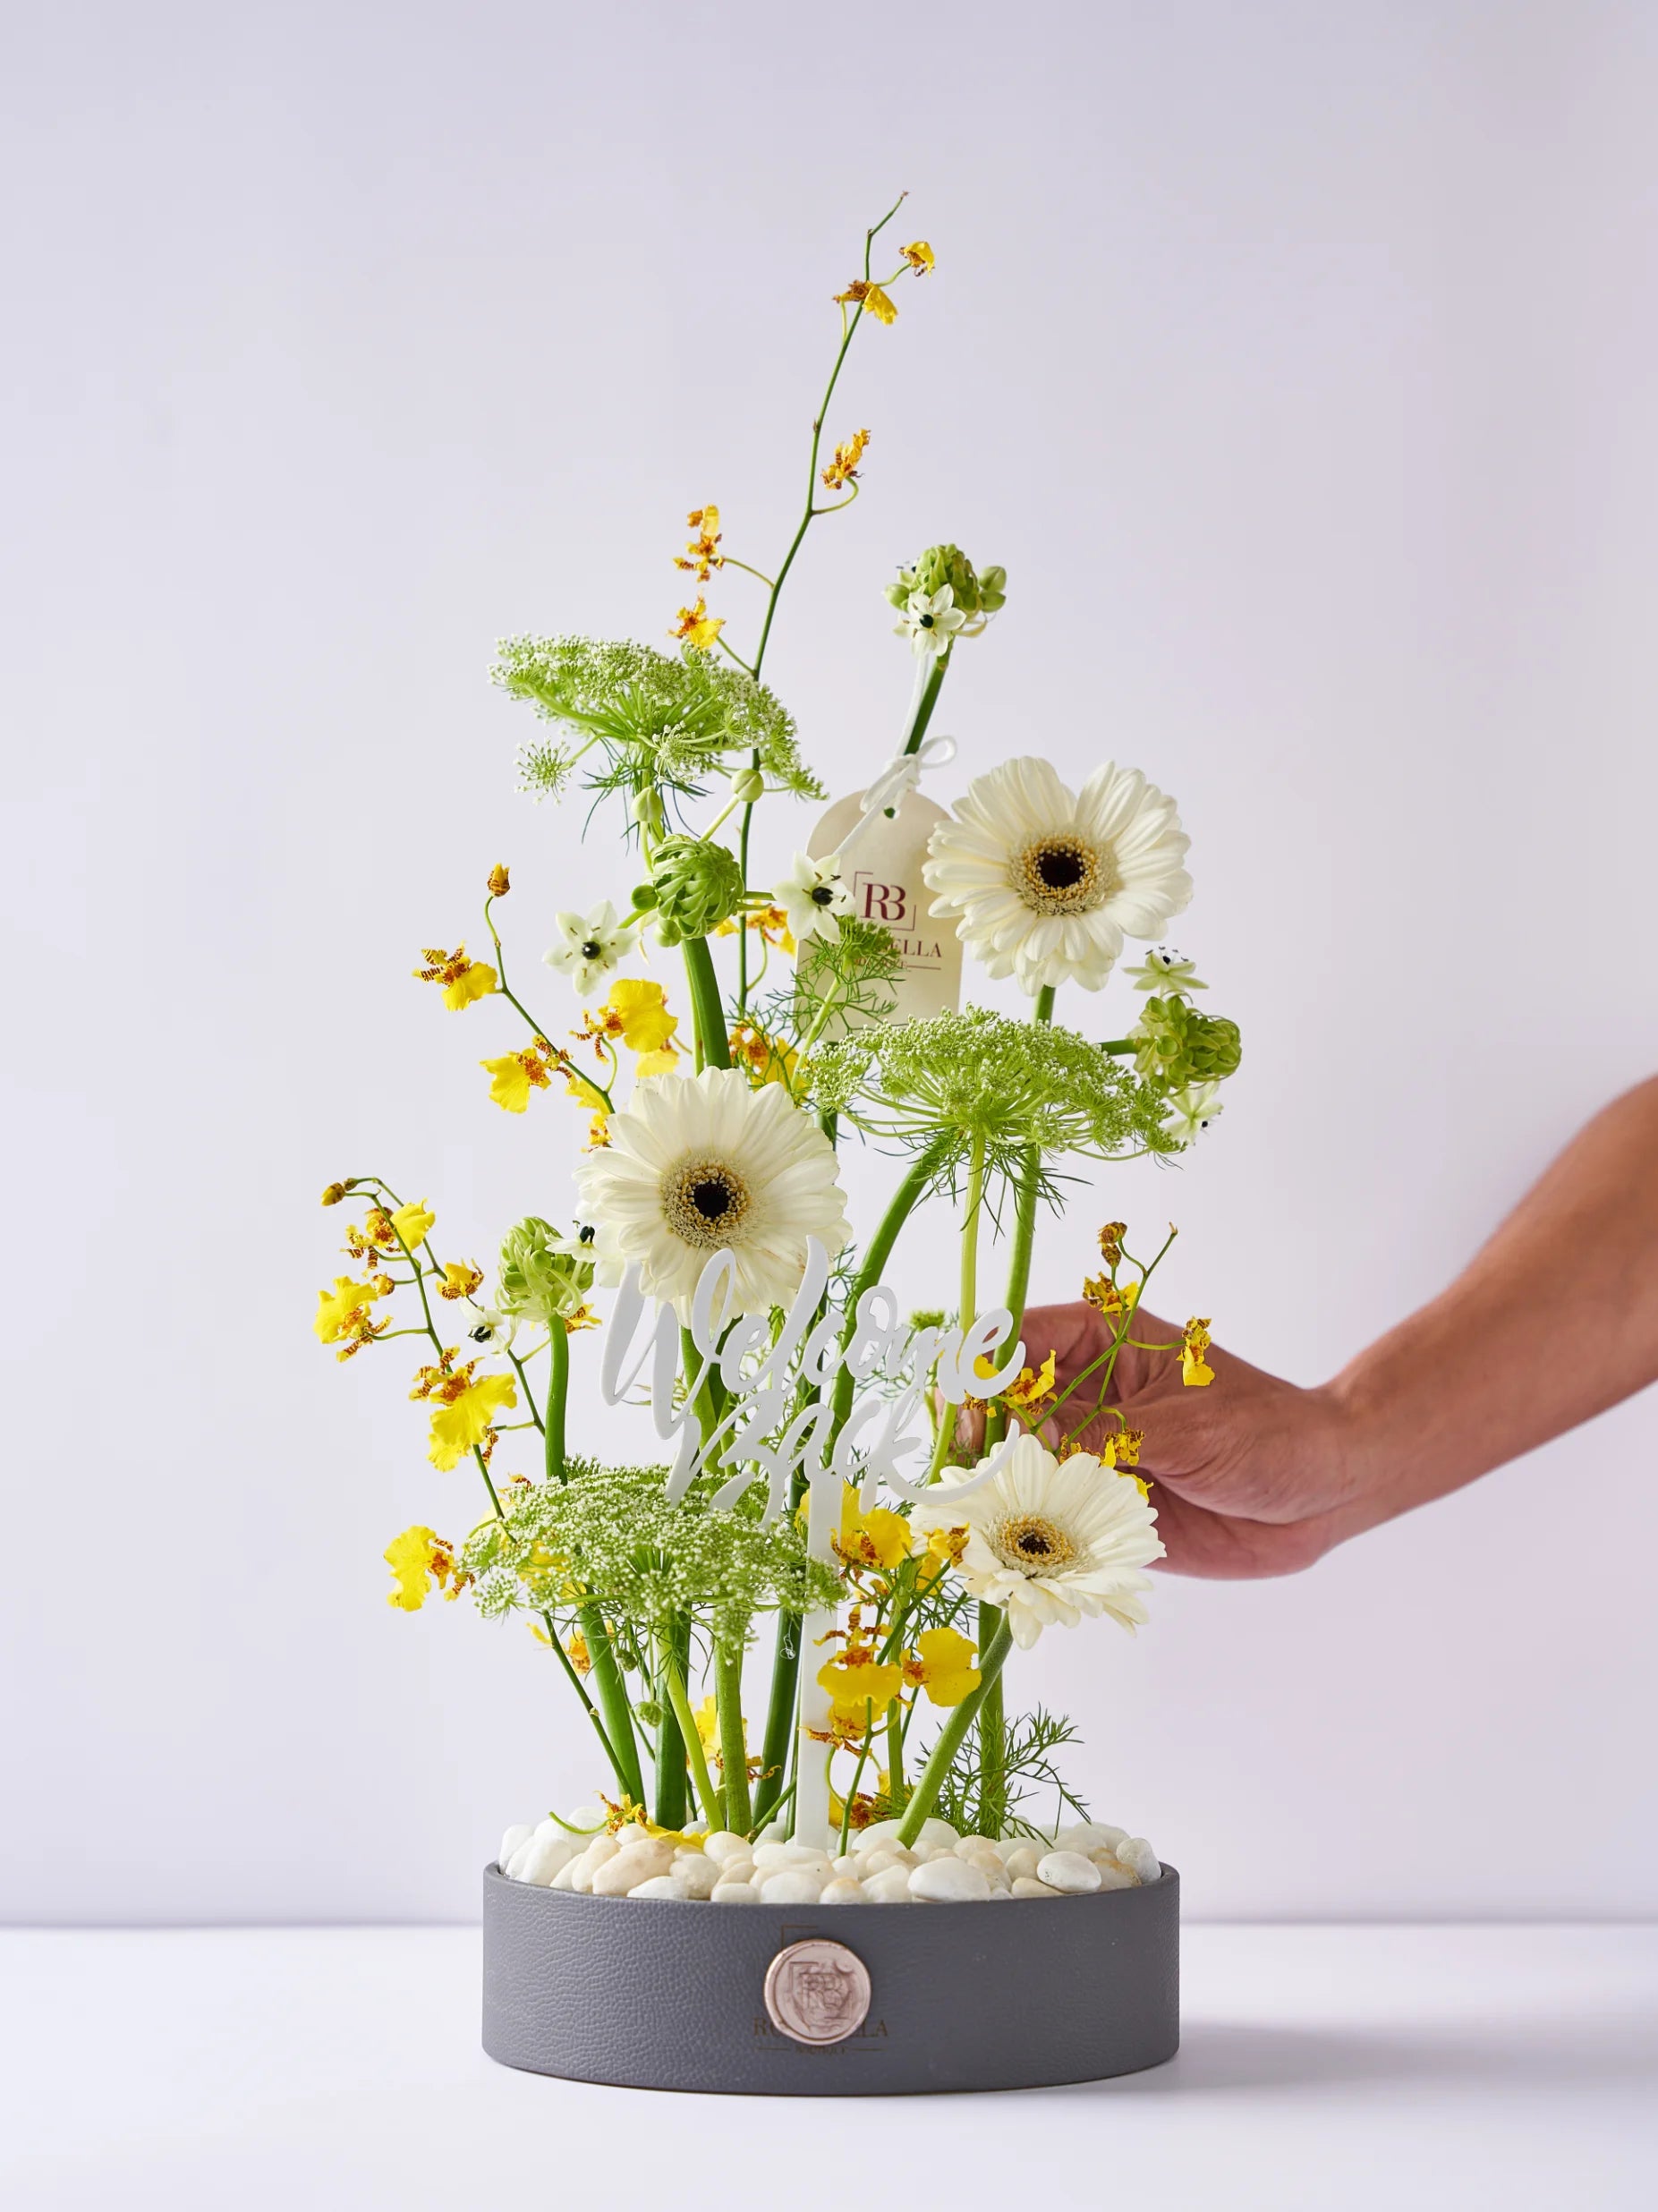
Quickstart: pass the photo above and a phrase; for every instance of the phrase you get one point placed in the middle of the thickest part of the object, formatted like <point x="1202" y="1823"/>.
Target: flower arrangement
<point x="878" y="1510"/>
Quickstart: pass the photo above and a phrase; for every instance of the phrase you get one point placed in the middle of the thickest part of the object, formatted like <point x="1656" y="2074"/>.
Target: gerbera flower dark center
<point x="705" y="1203"/>
<point x="1064" y="874"/>
<point x="1032" y="1543"/>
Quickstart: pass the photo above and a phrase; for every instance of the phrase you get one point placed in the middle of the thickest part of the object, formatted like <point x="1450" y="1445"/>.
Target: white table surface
<point x="1335" y="2068"/>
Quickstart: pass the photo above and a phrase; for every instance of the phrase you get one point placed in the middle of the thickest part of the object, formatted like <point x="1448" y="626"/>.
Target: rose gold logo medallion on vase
<point x="817" y="1992"/>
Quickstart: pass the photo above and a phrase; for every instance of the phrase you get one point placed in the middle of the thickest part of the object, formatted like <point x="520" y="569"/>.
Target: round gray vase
<point x="656" y="1994"/>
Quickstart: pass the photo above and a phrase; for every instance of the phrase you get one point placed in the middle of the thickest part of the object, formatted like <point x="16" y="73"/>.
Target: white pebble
<point x="601" y="1849"/>
<point x="636" y="1863"/>
<point x="545" y="1855"/>
<point x="844" y="1890"/>
<point x="565" y="1879"/>
<point x="887" y="1855"/>
<point x="792" y="1886"/>
<point x="891" y="1886"/>
<point x="776" y="1857"/>
<point x="735" y="1894"/>
<point x="1070" y="1871"/>
<point x="514" y="1867"/>
<point x="1137" y="1855"/>
<point x="1028" y="1885"/>
<point x="659" y="1886"/>
<point x="845" y="1865"/>
<point x="1088" y="1836"/>
<point x="723" y="1845"/>
<point x="977" y="1852"/>
<point x="693" y="1875"/>
<point x="513" y="1840"/>
<point x="887" y="1830"/>
<point x="588" y="1820"/>
<point x="774" y="1832"/>
<point x="948" y="1880"/>
<point x="1113" y="1876"/>
<point x="1022" y="1862"/>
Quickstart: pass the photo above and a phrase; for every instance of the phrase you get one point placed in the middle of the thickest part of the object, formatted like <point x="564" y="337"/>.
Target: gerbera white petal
<point x="706" y="1165"/>
<point x="591" y="946"/>
<point x="1048" y="882"/>
<point x="812" y="895"/>
<point x="1052" y="1541"/>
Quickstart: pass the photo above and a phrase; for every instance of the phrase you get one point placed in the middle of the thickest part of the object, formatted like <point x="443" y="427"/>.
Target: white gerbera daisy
<point x="1050" y="1540"/>
<point x="1048" y="884"/>
<point x="709" y="1165"/>
<point x="589" y="946"/>
<point x="931" y="620"/>
<point x="812" y="895"/>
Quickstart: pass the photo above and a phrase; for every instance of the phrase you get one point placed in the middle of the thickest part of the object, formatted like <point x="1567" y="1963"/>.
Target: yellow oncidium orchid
<point x="920" y="257"/>
<point x="336" y="1308"/>
<point x="464" y="980"/>
<point x="856" y="1680"/>
<point x="698" y="627"/>
<point x="464" y="1424"/>
<point x="642" y="1020"/>
<point x="419" y="1553"/>
<point x="413" y="1222"/>
<point x="861" y="293"/>
<point x="942" y="1665"/>
<point x="1194" y="1370"/>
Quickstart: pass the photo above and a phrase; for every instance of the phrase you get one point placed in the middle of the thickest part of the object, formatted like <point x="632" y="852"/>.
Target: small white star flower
<point x="591" y="946"/>
<point x="491" y="1330"/>
<point x="1165" y="969"/>
<point x="1193" y="1110"/>
<point x="812" y="895"/>
<point x="931" y="620"/>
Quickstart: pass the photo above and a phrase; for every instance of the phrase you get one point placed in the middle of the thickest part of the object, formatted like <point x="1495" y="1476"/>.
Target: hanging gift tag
<point x="882" y="870"/>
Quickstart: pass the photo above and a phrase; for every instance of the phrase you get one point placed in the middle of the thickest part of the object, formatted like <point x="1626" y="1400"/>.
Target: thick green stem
<point x="679" y="1704"/>
<point x="608" y="1685"/>
<point x="706" y="1011"/>
<point x="668" y="1796"/>
<point x="733" y="1742"/>
<point x="970" y="1237"/>
<point x="993" y="1734"/>
<point x="926" y="699"/>
<point x="779" y="1716"/>
<point x="931" y="1777"/>
<point x="895" y="1752"/>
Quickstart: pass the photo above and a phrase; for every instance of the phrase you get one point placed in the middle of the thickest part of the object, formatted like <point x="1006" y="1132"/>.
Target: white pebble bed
<point x="941" y="1868"/>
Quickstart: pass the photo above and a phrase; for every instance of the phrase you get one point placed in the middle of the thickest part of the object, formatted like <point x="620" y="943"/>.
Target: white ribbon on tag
<point x="893" y="786"/>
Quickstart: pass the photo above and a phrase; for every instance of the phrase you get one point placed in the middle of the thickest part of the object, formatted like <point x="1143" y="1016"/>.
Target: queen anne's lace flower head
<point x="1048" y="882"/>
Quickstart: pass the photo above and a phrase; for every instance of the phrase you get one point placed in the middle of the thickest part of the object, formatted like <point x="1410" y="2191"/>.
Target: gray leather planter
<point x="653" y="1994"/>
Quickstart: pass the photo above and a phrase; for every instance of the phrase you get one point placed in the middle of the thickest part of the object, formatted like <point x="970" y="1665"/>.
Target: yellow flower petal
<point x="641" y="1008"/>
<point x="413" y="1222"/>
<point x="880" y="305"/>
<point x="920" y="257"/>
<point x="509" y="1082"/>
<point x="657" y="1064"/>
<point x="947" y="1673"/>
<point x="456" y="1429"/>
<point x="477" y="981"/>
<point x="853" y="1689"/>
<point x="408" y="1556"/>
<point x="335" y="1307"/>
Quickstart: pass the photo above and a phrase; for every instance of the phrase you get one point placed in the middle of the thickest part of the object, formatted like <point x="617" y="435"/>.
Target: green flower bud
<point x="1177" y="1045"/>
<point x="648" y="811"/>
<point x="946" y="564"/>
<point x="542" y="1276"/>
<point x="698" y="885"/>
<point x="747" y="785"/>
<point x="898" y="594"/>
<point x="992" y="590"/>
<point x="644" y="897"/>
<point x="649" y="1712"/>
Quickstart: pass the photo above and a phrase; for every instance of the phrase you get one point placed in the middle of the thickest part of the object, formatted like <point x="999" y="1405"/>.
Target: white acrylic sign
<point x="891" y="1367"/>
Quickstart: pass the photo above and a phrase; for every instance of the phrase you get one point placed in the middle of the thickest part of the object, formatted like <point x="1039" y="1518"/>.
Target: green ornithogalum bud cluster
<point x="542" y="1276"/>
<point x="698" y="885"/>
<point x="975" y="591"/>
<point x="1177" y="1045"/>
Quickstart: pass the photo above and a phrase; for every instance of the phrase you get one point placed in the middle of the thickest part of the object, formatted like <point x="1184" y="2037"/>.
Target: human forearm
<point x="1553" y="1321"/>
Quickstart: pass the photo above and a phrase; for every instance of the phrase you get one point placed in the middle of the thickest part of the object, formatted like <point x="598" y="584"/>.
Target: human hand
<point x="1252" y="1476"/>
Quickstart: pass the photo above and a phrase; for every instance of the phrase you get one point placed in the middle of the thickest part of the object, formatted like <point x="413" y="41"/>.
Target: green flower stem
<point x="674" y="1684"/>
<point x="671" y="1747"/>
<point x="926" y="699"/>
<point x="905" y="1200"/>
<point x="931" y="1777"/>
<point x="733" y="1744"/>
<point x="993" y="1715"/>
<point x="608" y="1679"/>
<point x="1119" y="1045"/>
<point x="857" y="1773"/>
<point x="780" y="1717"/>
<point x="713" y="1044"/>
<point x="970" y="1236"/>
<point x="894" y="1752"/>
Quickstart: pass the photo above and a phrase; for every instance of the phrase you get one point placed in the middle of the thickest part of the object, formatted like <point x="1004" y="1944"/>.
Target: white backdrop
<point x="1297" y="362"/>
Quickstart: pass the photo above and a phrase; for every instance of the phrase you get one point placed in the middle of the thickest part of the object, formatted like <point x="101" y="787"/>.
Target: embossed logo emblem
<point x="817" y="1992"/>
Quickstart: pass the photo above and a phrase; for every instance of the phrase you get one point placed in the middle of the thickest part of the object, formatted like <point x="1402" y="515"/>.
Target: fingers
<point x="1219" y="1547"/>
